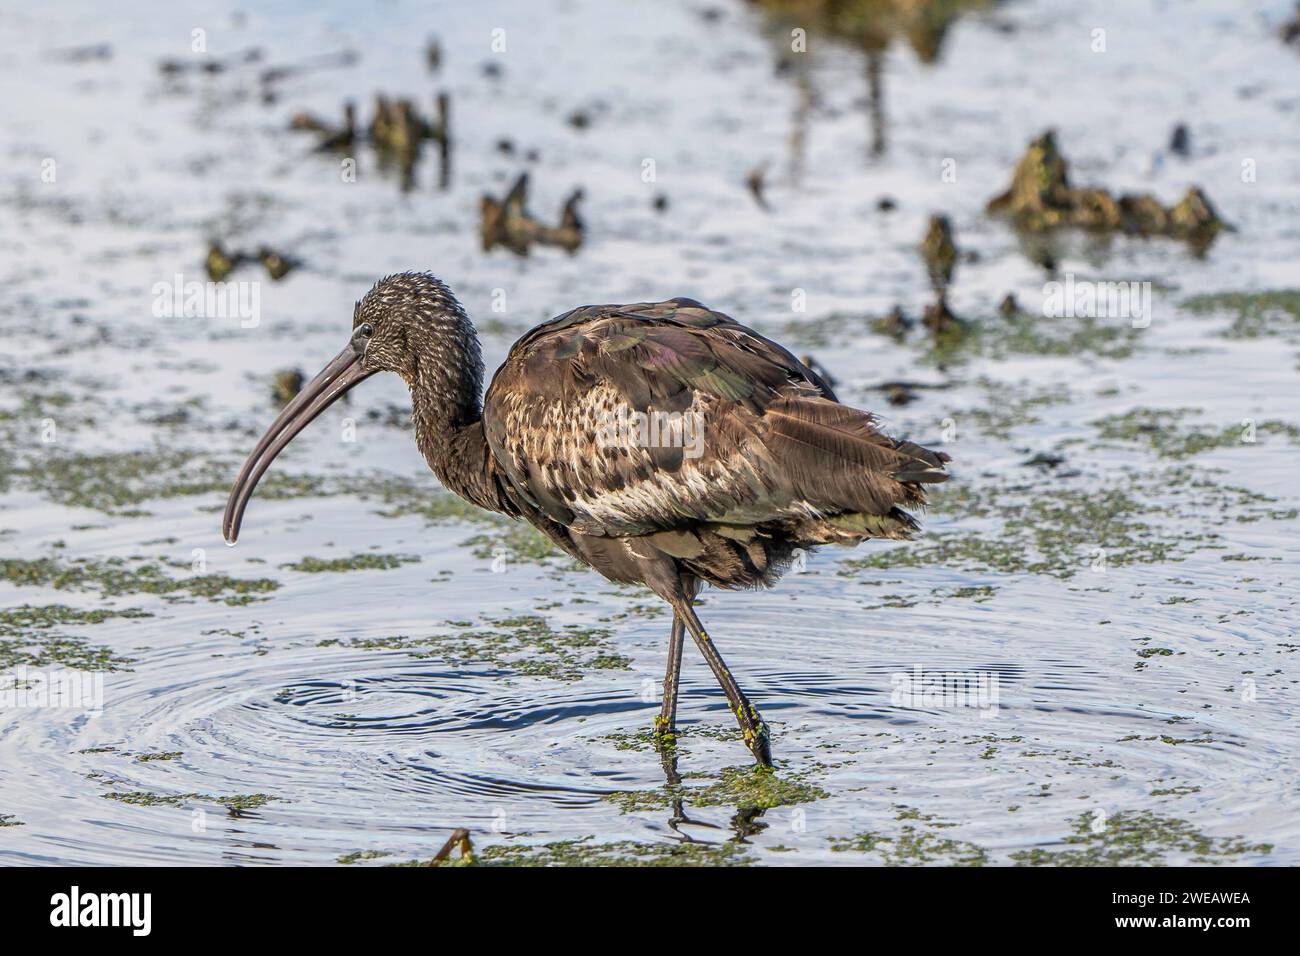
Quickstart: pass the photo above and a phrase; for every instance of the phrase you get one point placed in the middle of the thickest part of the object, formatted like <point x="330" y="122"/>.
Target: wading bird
<point x="774" y="463"/>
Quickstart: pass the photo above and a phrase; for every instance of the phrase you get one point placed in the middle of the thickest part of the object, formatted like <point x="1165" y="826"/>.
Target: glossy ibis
<point x="755" y="460"/>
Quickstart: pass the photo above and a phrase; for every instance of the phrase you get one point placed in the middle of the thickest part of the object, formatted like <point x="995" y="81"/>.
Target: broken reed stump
<point x="895" y="324"/>
<point x="286" y="385"/>
<point x="277" y="266"/>
<point x="940" y="253"/>
<point x="459" y="838"/>
<point x="396" y="130"/>
<point x="946" y="329"/>
<point x="397" y="125"/>
<point x="219" y="263"/>
<point x="440" y="133"/>
<point x="756" y="183"/>
<point x="1041" y="198"/>
<point x="343" y="138"/>
<point x="509" y="223"/>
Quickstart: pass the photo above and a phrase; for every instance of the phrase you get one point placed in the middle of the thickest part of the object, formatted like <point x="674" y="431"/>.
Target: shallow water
<point x="1145" y="692"/>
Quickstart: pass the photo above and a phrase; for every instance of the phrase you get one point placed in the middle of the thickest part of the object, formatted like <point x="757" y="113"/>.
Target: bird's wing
<point x="627" y="420"/>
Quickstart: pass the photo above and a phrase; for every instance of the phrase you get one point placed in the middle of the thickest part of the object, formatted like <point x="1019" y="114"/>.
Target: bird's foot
<point x="753" y="730"/>
<point x="664" y="732"/>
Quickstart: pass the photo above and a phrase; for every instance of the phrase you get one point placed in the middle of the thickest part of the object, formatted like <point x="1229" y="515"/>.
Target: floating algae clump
<point x="954" y="340"/>
<point x="358" y="562"/>
<point x="1040" y="197"/>
<point x="1142" y="517"/>
<point x="116" y="482"/>
<point x="646" y="741"/>
<point x="19" y="619"/>
<point x="1255" y="314"/>
<point x="1011" y="405"/>
<point x="114" y="576"/>
<point x="583" y="852"/>
<point x="159" y="755"/>
<point x="1164" y="432"/>
<point x="358" y="856"/>
<point x="46" y="650"/>
<point x="26" y="638"/>
<point x="913" y="845"/>
<point x="515" y="542"/>
<point x="525" y="645"/>
<point x="749" y="788"/>
<point x="236" y="803"/>
<point x="1137" y="838"/>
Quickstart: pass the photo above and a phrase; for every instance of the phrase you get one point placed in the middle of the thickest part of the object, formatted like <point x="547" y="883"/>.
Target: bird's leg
<point x="752" y="727"/>
<point x="666" y="722"/>
<point x="666" y="731"/>
<point x="673" y="779"/>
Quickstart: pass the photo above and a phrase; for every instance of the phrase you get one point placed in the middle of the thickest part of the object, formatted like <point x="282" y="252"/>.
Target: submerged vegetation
<point x="1254" y="314"/>
<point x="48" y="650"/>
<point x="235" y="803"/>
<point x="358" y="562"/>
<point x="526" y="646"/>
<point x="1060" y="530"/>
<point x="120" y="484"/>
<point x="587" y="851"/>
<point x="27" y="617"/>
<point x="998" y="335"/>
<point x="1167" y="433"/>
<point x="912" y="845"/>
<point x="117" y="576"/>
<point x="745" y="788"/>
<point x="1138" y="838"/>
<point x="1011" y="406"/>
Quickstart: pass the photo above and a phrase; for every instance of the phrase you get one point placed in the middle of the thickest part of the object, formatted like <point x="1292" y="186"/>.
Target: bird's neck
<point x="447" y="410"/>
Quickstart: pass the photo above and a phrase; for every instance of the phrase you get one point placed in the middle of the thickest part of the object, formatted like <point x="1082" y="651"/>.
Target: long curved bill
<point x="342" y="373"/>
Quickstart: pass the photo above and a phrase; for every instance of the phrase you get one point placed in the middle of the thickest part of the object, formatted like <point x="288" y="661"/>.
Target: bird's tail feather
<point x="835" y="459"/>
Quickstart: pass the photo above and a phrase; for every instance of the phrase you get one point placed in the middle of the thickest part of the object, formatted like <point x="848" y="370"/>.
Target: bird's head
<point x="408" y="323"/>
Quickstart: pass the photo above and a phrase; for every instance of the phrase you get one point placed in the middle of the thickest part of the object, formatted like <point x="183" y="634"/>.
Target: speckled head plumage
<point x="411" y="323"/>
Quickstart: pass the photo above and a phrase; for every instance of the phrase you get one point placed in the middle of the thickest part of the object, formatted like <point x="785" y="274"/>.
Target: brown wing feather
<point x="776" y="446"/>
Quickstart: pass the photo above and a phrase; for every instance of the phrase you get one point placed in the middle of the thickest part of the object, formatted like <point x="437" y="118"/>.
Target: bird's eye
<point x="366" y="329"/>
